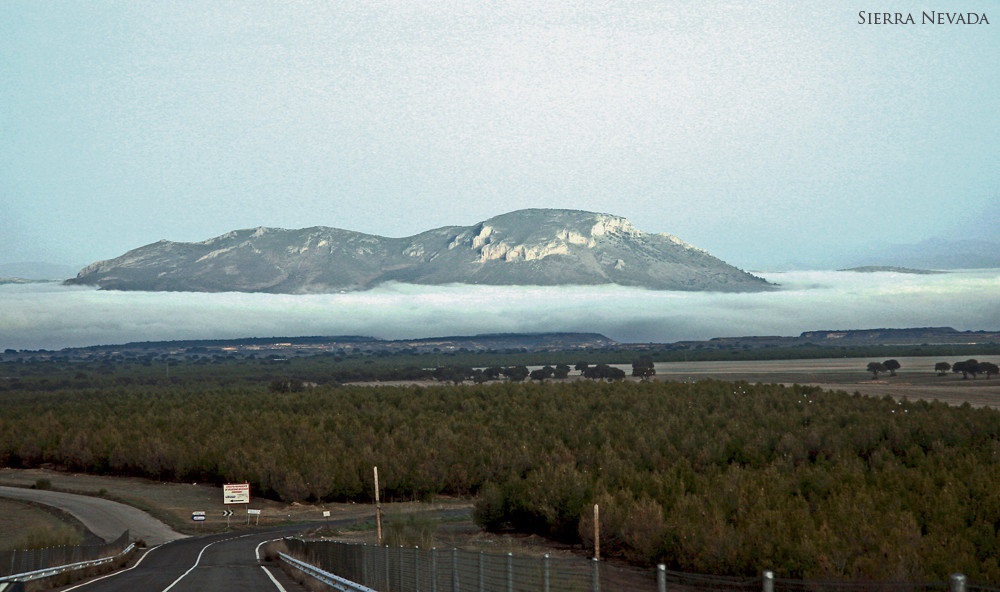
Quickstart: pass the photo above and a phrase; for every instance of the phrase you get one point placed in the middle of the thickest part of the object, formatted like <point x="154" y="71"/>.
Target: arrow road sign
<point x="227" y="513"/>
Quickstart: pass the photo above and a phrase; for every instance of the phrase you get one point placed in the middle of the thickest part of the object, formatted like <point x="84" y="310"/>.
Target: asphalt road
<point x="105" y="518"/>
<point x="224" y="562"/>
<point x="174" y="562"/>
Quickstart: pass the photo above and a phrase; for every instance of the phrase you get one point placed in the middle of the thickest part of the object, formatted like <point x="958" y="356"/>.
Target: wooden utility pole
<point x="597" y="534"/>
<point x="378" y="510"/>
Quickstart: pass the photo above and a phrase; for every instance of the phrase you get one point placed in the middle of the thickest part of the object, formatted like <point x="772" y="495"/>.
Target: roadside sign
<point x="227" y="512"/>
<point x="249" y="511"/>
<point x="236" y="493"/>
<point x="198" y="513"/>
<point x="326" y="513"/>
<point x="198" y="517"/>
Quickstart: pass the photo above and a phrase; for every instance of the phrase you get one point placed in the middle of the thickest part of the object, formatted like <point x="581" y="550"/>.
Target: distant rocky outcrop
<point x="527" y="247"/>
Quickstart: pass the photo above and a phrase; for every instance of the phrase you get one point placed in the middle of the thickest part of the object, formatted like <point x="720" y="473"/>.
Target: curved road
<point x="105" y="518"/>
<point x="177" y="563"/>
<point x="223" y="562"/>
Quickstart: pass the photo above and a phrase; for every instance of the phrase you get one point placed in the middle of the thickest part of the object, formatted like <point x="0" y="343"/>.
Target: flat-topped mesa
<point x="525" y="247"/>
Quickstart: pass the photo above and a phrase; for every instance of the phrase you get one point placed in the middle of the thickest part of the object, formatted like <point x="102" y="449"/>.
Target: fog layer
<point x="50" y="316"/>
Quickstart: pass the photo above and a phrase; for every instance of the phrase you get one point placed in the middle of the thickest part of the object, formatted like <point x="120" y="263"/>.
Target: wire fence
<point x="26" y="560"/>
<point x="411" y="569"/>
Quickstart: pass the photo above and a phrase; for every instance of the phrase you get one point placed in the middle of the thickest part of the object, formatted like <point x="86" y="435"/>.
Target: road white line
<point x="280" y="587"/>
<point x="256" y="551"/>
<point x="116" y="572"/>
<point x="196" y="561"/>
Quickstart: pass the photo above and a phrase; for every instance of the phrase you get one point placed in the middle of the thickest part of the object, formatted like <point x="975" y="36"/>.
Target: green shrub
<point x="412" y="529"/>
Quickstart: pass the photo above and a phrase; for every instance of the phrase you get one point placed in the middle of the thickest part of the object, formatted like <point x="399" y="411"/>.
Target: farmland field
<point x="915" y="379"/>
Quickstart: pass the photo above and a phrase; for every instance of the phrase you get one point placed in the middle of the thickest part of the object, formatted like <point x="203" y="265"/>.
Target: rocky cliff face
<point x="526" y="247"/>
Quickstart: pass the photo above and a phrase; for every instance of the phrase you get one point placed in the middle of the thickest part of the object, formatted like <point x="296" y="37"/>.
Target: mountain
<point x="526" y="247"/>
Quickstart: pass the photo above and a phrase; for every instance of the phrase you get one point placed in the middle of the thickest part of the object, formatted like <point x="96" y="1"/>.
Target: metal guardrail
<point x="52" y="571"/>
<point x="325" y="577"/>
<point x="28" y="560"/>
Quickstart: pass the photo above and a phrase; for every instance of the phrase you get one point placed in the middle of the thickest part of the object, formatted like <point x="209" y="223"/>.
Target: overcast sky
<point x="760" y="131"/>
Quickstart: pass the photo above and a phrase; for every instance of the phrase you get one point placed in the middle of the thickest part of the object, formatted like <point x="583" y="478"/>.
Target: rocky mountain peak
<point x="525" y="247"/>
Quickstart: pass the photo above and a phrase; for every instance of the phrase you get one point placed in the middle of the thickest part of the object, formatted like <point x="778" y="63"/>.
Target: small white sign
<point x="236" y="493"/>
<point x="198" y="513"/>
<point x="249" y="511"/>
<point x="326" y="513"/>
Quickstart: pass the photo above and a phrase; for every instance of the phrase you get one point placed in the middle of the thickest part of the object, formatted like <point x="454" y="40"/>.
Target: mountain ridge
<point x="524" y="247"/>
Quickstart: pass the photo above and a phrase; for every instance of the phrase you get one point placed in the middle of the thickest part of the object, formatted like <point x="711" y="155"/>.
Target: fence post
<point x="454" y="570"/>
<point x="768" y="580"/>
<point x="545" y="573"/>
<point x="434" y="569"/>
<point x="510" y="572"/>
<point x="416" y="568"/>
<point x="661" y="578"/>
<point x="386" y="555"/>
<point x="957" y="582"/>
<point x="596" y="586"/>
<point x="482" y="573"/>
<point x="400" y="567"/>
<point x="364" y="565"/>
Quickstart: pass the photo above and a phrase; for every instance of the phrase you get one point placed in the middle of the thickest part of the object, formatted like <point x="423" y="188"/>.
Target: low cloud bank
<point x="50" y="316"/>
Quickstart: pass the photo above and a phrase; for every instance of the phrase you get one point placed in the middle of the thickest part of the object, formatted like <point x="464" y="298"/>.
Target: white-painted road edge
<point x="270" y="575"/>
<point x="113" y="574"/>
<point x="256" y="552"/>
<point x="190" y="569"/>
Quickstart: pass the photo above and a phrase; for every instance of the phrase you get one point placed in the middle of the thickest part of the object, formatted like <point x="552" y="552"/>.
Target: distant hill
<point x="526" y="247"/>
<point x="18" y="280"/>
<point x="808" y="344"/>
<point x="889" y="268"/>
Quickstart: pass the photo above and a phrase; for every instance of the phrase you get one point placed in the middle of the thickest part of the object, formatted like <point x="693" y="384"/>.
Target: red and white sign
<point x="236" y="493"/>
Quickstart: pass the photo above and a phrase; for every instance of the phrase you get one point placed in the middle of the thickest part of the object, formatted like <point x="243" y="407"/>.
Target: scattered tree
<point x="970" y="366"/>
<point x="603" y="371"/>
<point x="875" y="368"/>
<point x="516" y="373"/>
<point x="493" y="372"/>
<point x="643" y="367"/>
<point x="989" y="368"/>
<point x="542" y="373"/>
<point x="891" y="366"/>
<point x="452" y="374"/>
<point x="942" y="368"/>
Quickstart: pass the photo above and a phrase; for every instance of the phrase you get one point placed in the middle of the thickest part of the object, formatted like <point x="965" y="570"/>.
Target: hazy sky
<point x="764" y="132"/>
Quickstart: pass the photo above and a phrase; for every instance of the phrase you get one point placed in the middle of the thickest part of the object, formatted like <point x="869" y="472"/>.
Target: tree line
<point x="966" y="368"/>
